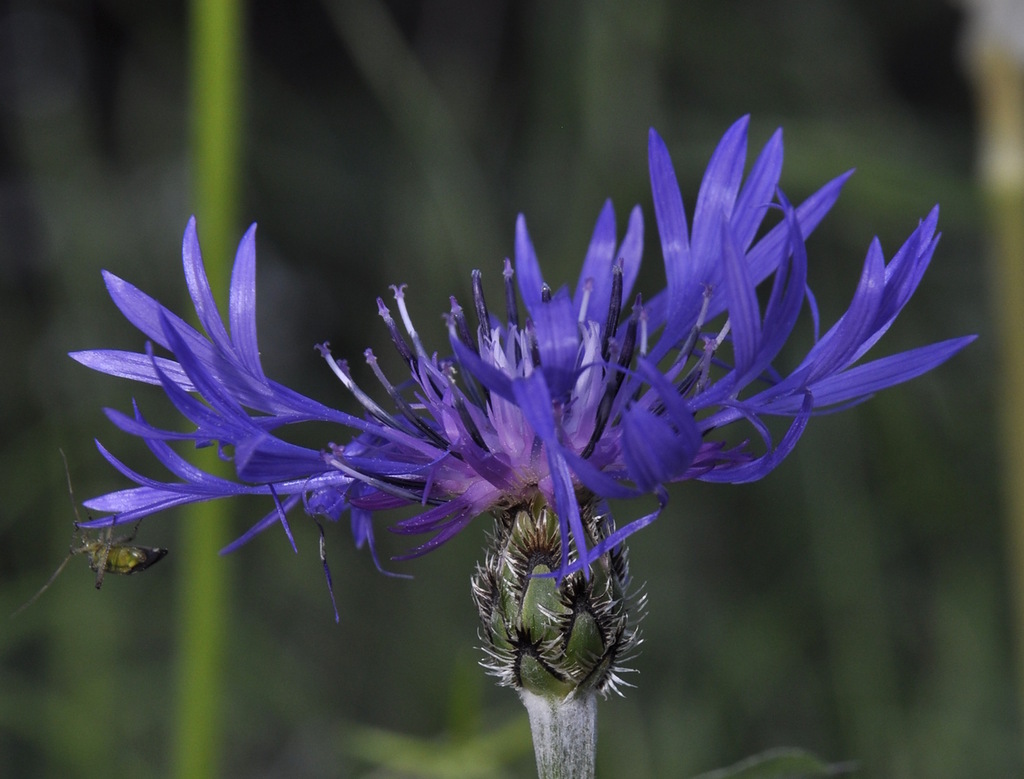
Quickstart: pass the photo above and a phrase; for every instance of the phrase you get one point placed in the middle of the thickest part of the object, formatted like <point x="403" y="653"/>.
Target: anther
<point x="530" y="334"/>
<point x="402" y="404"/>
<point x="399" y="290"/>
<point x="341" y="371"/>
<point x="457" y="327"/>
<point x="482" y="315"/>
<point x="711" y="345"/>
<point x="686" y="349"/>
<point x="614" y="308"/>
<point x="604" y="407"/>
<point x="458" y="323"/>
<point x="396" y="338"/>
<point x="390" y="485"/>
<point x="629" y="340"/>
<point x="463" y="412"/>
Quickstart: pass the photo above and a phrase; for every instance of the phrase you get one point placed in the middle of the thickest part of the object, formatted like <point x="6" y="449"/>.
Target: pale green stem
<point x="999" y="85"/>
<point x="216" y="53"/>
<point x="564" y="734"/>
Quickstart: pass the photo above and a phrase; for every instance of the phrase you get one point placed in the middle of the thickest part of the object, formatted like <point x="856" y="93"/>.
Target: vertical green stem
<point x="216" y="54"/>
<point x="999" y="84"/>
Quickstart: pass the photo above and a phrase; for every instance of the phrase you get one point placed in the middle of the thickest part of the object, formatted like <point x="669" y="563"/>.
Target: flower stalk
<point x="564" y="734"/>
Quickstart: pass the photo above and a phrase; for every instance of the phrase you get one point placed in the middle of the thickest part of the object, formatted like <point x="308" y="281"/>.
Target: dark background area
<point x="854" y="603"/>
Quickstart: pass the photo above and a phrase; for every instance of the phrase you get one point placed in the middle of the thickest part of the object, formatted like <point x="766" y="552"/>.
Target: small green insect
<point x="106" y="553"/>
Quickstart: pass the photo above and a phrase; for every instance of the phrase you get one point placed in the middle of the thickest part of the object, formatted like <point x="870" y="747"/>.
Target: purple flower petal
<point x="579" y="404"/>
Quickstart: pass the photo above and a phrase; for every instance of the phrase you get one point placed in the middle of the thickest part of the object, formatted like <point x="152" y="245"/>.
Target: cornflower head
<point x="575" y="397"/>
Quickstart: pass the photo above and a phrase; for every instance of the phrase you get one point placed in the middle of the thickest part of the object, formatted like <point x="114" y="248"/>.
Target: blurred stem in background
<point x="997" y="65"/>
<point x="428" y="127"/>
<point x="216" y="54"/>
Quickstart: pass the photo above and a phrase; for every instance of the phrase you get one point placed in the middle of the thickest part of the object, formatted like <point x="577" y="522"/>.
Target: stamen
<point x="389" y="485"/>
<point x="402" y="404"/>
<point x="710" y="347"/>
<point x="708" y="290"/>
<point x="458" y="318"/>
<point x="510" y="295"/>
<point x="613" y="350"/>
<point x="482" y="314"/>
<point x="643" y="332"/>
<point x="629" y="341"/>
<point x="614" y="309"/>
<point x="531" y="335"/>
<point x="702" y="370"/>
<point x="399" y="291"/>
<point x="545" y="294"/>
<point x="341" y="371"/>
<point x="601" y="417"/>
<point x="463" y="412"/>
<point x="686" y="349"/>
<point x="604" y="408"/>
<point x="457" y="326"/>
<point x="588" y="289"/>
<point x="720" y="338"/>
<point x="396" y="338"/>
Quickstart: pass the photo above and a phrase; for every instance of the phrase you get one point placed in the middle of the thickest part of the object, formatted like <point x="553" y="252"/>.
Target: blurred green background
<point x="855" y="603"/>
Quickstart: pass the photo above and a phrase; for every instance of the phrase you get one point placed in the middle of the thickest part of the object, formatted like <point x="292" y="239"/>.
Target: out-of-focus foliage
<point x="852" y="604"/>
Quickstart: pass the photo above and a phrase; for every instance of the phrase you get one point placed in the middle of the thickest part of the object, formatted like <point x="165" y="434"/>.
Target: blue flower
<point x="590" y="394"/>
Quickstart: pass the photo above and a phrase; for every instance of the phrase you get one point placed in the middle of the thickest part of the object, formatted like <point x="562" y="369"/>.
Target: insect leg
<point x="43" y="589"/>
<point x="99" y="560"/>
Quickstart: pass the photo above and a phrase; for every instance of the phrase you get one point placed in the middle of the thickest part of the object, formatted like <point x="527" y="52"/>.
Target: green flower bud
<point x="548" y="637"/>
